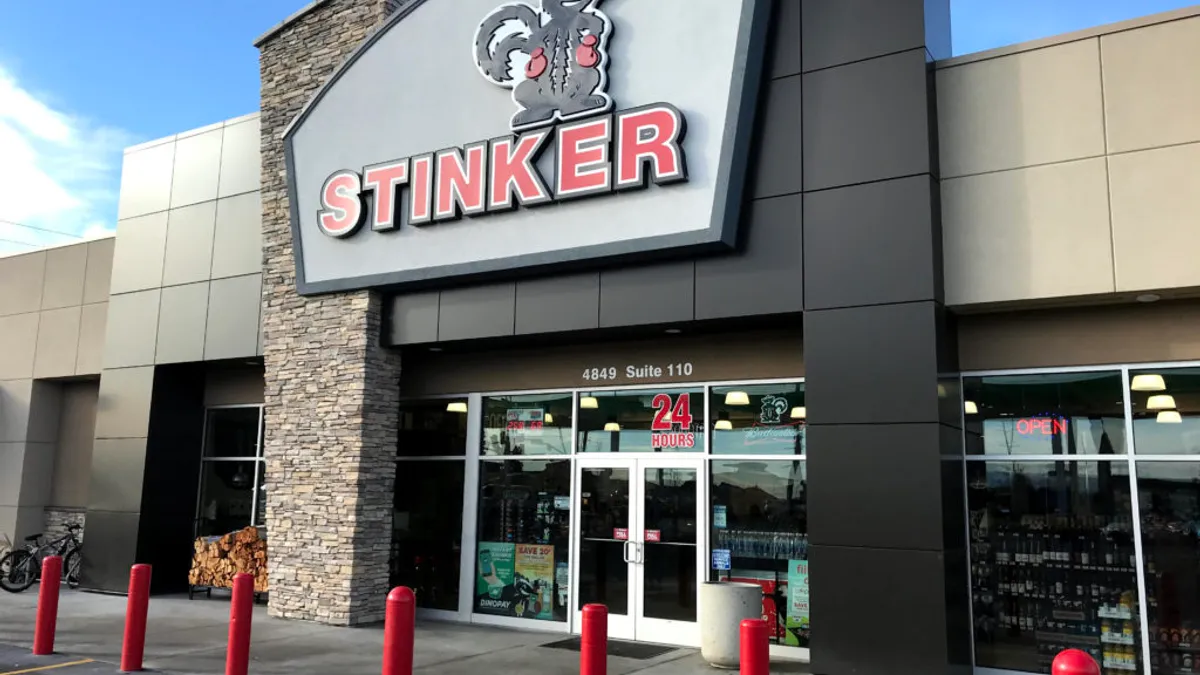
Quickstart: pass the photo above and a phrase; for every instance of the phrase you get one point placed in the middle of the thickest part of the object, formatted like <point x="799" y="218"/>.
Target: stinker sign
<point x="396" y="162"/>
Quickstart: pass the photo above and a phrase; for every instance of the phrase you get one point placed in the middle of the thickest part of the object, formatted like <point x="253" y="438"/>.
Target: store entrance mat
<point x="622" y="648"/>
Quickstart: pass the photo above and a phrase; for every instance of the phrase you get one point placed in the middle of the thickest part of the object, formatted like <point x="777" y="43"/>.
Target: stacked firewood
<point x="217" y="559"/>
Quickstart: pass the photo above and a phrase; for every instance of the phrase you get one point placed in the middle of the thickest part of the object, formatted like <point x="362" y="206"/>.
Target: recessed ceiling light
<point x="1169" y="417"/>
<point x="737" y="398"/>
<point x="435" y="349"/>
<point x="970" y="408"/>
<point x="1149" y="297"/>
<point x="672" y="331"/>
<point x="1148" y="382"/>
<point x="1161" y="402"/>
<point x="456" y="407"/>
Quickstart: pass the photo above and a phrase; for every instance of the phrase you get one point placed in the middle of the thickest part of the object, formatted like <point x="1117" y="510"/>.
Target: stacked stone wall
<point x="331" y="390"/>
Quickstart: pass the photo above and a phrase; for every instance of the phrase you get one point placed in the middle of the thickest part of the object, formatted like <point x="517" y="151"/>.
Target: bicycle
<point x="21" y="567"/>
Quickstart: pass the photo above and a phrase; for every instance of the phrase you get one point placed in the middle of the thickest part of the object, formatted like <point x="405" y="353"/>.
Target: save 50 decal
<point x="671" y="427"/>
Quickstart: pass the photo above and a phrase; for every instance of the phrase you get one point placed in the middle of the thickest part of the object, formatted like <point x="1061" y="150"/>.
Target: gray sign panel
<point x="407" y="167"/>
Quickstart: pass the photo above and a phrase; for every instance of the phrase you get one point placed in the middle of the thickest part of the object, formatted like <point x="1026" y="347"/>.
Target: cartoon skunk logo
<point x="773" y="408"/>
<point x="554" y="57"/>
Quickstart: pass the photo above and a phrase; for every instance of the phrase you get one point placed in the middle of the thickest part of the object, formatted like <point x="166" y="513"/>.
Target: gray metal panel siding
<point x="482" y="311"/>
<point x="652" y="294"/>
<point x="558" y="304"/>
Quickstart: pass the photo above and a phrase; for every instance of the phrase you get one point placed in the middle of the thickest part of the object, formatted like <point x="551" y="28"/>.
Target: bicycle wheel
<point x="71" y="566"/>
<point x="18" y="571"/>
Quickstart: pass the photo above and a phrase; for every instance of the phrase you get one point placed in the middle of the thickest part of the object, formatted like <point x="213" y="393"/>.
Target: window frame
<point x="259" y="459"/>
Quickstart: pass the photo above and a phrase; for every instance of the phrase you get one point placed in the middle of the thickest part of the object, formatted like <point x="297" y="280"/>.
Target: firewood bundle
<point x="217" y="559"/>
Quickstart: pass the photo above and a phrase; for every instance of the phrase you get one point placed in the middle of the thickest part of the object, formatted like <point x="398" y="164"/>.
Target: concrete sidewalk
<point x="189" y="636"/>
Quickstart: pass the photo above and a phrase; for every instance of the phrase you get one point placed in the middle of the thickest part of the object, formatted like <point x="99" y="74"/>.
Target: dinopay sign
<point x="462" y="138"/>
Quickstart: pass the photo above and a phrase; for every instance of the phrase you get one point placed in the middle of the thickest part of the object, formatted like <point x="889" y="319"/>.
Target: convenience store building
<point x="379" y="318"/>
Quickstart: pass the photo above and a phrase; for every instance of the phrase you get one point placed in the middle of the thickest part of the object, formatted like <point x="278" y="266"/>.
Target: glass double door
<point x="640" y="541"/>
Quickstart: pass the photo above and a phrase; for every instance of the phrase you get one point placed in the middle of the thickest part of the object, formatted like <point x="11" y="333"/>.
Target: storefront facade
<point x="836" y="305"/>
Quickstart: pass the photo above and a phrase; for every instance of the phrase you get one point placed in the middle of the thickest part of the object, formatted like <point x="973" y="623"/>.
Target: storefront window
<point x="436" y="428"/>
<point x="427" y="531"/>
<point x="649" y="420"/>
<point x="523" y="554"/>
<point x="1169" y="497"/>
<point x="1166" y="411"/>
<point x="1046" y="414"/>
<point x="759" y="419"/>
<point x="1052" y="563"/>
<point x="760" y="535"/>
<point x="232" y="472"/>
<point x="535" y="424"/>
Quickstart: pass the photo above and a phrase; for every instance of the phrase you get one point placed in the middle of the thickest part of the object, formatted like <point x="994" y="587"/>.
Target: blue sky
<point x="82" y="79"/>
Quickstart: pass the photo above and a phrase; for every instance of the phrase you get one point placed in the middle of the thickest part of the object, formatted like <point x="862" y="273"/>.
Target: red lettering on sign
<point x="650" y="135"/>
<point x="342" y="209"/>
<point x="680" y="412"/>
<point x="620" y="533"/>
<point x="461" y="181"/>
<point x="1041" y="426"/>
<point x="514" y="179"/>
<point x="584" y="167"/>
<point x="421" y="191"/>
<point x="653" y="535"/>
<point x="673" y="440"/>
<point x="385" y="180"/>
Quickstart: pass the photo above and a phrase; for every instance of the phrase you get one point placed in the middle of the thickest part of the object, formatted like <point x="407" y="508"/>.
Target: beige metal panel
<point x="20" y="521"/>
<point x="92" y="322"/>
<point x="233" y="318"/>
<point x="237" y="246"/>
<point x="197" y="168"/>
<point x="45" y="403"/>
<point x="21" y="283"/>
<point x="1020" y="110"/>
<point x="57" y="342"/>
<point x="1080" y="336"/>
<point x="15" y="399"/>
<point x="118" y="468"/>
<point x="1151" y="90"/>
<point x="123" y="408"/>
<point x="99" y="270"/>
<point x="37" y="474"/>
<point x="188" y="257"/>
<point x="18" y="345"/>
<point x="181" y="320"/>
<point x="12" y="462"/>
<point x="1156" y="217"/>
<point x="240" y="158"/>
<point x="146" y="181"/>
<point x="1040" y="232"/>
<point x="132" y="328"/>
<point x="138" y="257"/>
<point x="66" y="269"/>
<point x="76" y="433"/>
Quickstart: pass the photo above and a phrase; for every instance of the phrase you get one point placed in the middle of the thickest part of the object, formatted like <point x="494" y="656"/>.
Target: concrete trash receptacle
<point x="723" y="605"/>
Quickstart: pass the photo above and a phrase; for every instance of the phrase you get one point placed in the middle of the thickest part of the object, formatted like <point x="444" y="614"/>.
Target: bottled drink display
<point x="1048" y="583"/>
<point x="1170" y="503"/>
<point x="763" y="545"/>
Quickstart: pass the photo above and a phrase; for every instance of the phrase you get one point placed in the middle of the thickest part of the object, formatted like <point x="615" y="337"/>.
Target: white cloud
<point x="58" y="171"/>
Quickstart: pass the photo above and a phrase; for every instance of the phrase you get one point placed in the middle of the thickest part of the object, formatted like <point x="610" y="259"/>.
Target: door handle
<point x="625" y="551"/>
<point x="641" y="553"/>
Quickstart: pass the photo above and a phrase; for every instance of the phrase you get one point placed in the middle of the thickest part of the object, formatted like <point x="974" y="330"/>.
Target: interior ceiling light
<point x="1149" y="297"/>
<point x="1161" y="402"/>
<point x="970" y="408"/>
<point x="612" y="426"/>
<point x="672" y="331"/>
<point x="589" y="403"/>
<point x="723" y="425"/>
<point x="737" y="398"/>
<point x="457" y="407"/>
<point x="548" y="419"/>
<point x="799" y="412"/>
<point x="1146" y="382"/>
<point x="1169" y="417"/>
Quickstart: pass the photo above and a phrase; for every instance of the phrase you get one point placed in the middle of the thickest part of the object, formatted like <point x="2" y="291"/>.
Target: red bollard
<point x="593" y="643"/>
<point x="1074" y="662"/>
<point x="237" y="658"/>
<point x="133" y="647"/>
<point x="47" y="610"/>
<point x="755" y="654"/>
<point x="400" y="622"/>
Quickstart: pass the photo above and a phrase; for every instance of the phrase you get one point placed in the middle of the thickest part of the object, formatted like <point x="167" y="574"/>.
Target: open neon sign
<point x="1041" y="426"/>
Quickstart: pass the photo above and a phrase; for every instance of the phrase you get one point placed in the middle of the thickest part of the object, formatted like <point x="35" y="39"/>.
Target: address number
<point x="609" y="373"/>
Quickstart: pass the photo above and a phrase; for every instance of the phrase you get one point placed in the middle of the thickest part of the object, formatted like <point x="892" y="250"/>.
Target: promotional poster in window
<point x="515" y="580"/>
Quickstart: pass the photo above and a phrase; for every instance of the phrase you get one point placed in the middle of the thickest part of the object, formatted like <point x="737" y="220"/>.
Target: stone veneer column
<point x="331" y="390"/>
